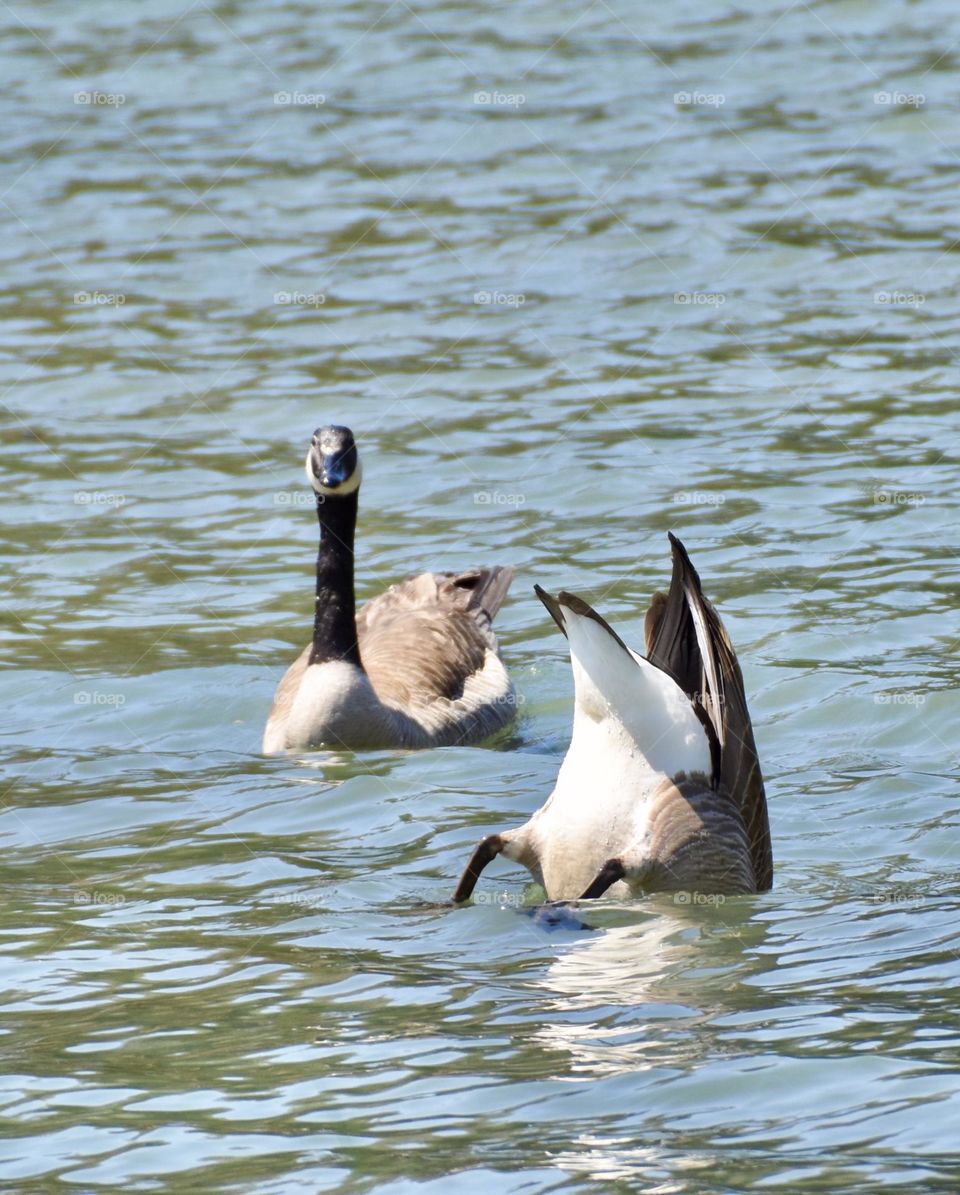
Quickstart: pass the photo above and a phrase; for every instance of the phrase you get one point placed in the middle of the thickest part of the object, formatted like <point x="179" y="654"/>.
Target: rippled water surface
<point x="577" y="274"/>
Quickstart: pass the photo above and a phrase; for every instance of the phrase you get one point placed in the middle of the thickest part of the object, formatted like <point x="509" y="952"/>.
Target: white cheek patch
<point x="352" y="483"/>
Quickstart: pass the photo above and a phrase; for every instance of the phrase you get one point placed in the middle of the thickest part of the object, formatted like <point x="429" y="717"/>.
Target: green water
<point x="562" y="321"/>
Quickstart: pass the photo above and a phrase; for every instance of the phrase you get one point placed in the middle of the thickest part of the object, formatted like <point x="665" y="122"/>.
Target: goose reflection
<point x="652" y="984"/>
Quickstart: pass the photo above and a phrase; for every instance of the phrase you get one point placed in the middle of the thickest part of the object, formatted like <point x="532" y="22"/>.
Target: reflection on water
<point x="658" y="981"/>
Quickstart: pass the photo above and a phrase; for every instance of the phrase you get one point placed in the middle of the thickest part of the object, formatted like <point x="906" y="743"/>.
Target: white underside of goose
<point x="633" y="727"/>
<point x="337" y="706"/>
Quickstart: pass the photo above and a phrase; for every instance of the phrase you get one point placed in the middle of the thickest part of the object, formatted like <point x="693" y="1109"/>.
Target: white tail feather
<point x="646" y="710"/>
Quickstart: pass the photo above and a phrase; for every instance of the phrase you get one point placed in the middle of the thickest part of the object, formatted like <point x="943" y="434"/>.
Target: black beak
<point x="332" y="469"/>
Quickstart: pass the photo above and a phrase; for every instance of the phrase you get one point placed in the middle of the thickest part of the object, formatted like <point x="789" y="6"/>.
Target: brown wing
<point x="705" y="666"/>
<point x="695" y="842"/>
<point x="425" y="637"/>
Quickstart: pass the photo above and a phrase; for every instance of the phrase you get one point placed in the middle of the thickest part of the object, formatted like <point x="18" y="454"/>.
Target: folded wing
<point x="429" y="636"/>
<point x="686" y="638"/>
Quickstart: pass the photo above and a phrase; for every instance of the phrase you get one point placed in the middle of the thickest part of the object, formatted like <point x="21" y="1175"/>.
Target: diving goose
<point x="660" y="789"/>
<point x="418" y="666"/>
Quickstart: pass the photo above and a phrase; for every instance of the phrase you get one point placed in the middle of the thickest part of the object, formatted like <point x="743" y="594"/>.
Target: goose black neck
<point x="334" y="617"/>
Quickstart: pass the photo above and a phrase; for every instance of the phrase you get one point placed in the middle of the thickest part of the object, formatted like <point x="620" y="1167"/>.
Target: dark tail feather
<point x="487" y="588"/>
<point x="673" y="646"/>
<point x="552" y="605"/>
<point x="570" y="601"/>
<point x="651" y="624"/>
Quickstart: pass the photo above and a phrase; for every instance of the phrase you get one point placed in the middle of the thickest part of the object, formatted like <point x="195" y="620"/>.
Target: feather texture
<point x="661" y="786"/>
<point x="704" y="664"/>
<point x="431" y="672"/>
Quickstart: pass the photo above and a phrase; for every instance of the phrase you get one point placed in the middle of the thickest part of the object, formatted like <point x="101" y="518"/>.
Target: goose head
<point x="332" y="465"/>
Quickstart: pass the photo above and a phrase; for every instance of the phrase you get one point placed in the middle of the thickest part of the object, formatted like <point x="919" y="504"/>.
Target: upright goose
<point x="419" y="666"/>
<point x="660" y="789"/>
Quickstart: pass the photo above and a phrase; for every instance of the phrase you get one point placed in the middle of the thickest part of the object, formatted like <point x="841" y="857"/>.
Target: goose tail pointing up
<point x="603" y="666"/>
<point x="661" y="786"/>
<point x="686" y="638"/>
<point x="612" y="682"/>
<point x="486" y="588"/>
